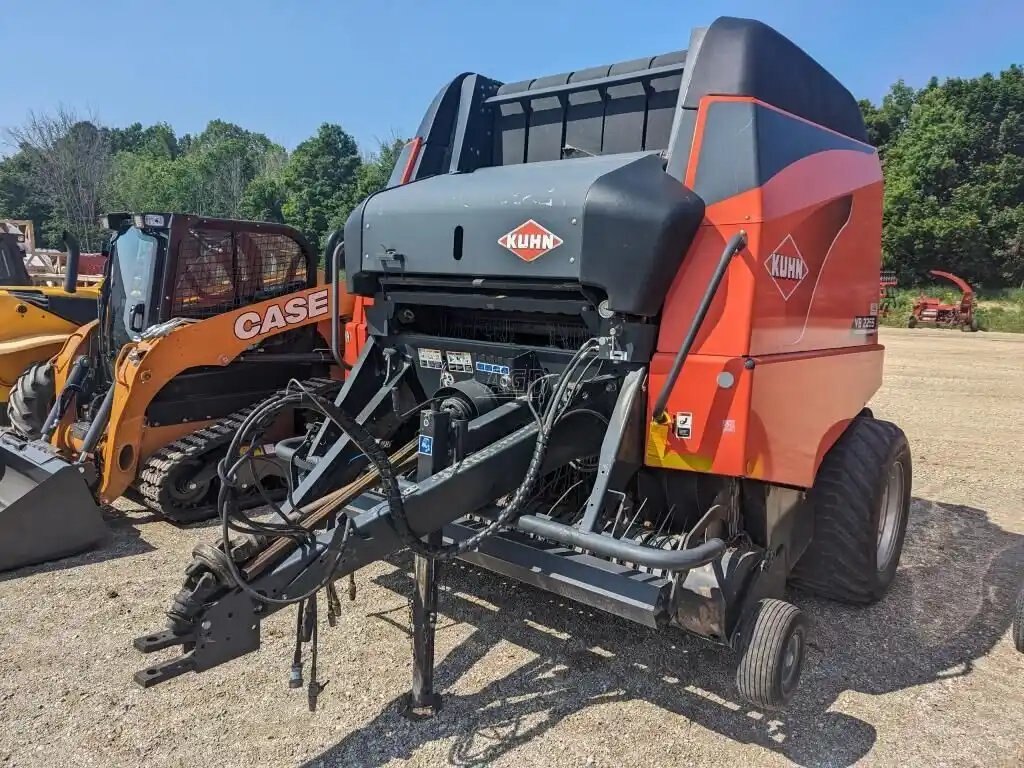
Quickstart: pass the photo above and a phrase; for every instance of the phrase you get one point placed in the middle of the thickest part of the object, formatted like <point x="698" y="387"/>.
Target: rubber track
<point x="840" y="563"/>
<point x="152" y="482"/>
<point x="760" y="666"/>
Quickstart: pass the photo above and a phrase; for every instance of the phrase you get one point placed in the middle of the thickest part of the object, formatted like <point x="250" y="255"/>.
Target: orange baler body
<point x="788" y="353"/>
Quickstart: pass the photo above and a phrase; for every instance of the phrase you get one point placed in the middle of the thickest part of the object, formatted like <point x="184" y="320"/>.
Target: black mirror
<point x="137" y="318"/>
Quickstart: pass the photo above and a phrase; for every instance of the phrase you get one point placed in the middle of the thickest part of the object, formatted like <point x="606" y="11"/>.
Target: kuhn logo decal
<point x="295" y="311"/>
<point x="787" y="267"/>
<point x="530" y="241"/>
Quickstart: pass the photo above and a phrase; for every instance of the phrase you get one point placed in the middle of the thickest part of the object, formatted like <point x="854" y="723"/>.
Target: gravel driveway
<point x="928" y="676"/>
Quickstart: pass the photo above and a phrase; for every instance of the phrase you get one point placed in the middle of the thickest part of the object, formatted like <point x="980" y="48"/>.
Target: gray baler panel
<point x="624" y="224"/>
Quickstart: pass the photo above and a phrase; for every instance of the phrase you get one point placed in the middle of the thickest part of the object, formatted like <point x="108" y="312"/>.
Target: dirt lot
<point x="927" y="677"/>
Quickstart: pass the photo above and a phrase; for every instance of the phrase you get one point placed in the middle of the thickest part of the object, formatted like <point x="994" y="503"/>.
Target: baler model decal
<point x="530" y="240"/>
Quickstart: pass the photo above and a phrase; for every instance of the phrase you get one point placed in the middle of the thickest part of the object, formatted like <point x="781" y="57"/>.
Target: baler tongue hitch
<point x="486" y="467"/>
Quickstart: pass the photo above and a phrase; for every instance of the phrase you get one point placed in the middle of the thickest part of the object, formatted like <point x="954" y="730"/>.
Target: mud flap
<point x="46" y="508"/>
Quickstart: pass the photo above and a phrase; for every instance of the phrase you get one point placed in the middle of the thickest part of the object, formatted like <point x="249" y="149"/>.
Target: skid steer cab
<point x="199" y="319"/>
<point x="622" y="334"/>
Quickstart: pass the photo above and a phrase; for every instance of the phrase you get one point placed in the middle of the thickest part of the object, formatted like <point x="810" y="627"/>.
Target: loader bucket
<point x="46" y="509"/>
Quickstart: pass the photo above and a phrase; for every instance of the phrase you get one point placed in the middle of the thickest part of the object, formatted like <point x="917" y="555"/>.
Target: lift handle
<point x="736" y="244"/>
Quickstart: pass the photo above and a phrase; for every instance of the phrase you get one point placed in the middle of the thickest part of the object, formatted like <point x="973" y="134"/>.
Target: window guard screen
<point x="220" y="271"/>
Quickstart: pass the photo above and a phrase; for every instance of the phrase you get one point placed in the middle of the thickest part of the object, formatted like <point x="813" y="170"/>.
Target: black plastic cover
<point x="743" y="57"/>
<point x="638" y="223"/>
<point x="622" y="222"/>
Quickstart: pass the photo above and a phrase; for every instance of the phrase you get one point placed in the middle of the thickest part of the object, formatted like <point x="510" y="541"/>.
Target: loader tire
<point x="31" y="398"/>
<point x="861" y="503"/>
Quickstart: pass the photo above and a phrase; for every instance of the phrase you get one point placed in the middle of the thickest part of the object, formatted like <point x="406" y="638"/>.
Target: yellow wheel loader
<point x="199" y="320"/>
<point x="35" y="321"/>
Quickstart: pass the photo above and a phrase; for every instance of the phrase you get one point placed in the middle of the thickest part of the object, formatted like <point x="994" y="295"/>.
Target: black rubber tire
<point x="841" y="562"/>
<point x="763" y="676"/>
<point x="911" y="322"/>
<point x="31" y="398"/>
<point x="1018" y="622"/>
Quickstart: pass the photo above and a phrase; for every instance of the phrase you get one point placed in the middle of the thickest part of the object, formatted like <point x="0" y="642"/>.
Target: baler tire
<point x="1018" y="622"/>
<point x="911" y="322"/>
<point x="851" y="501"/>
<point x="31" y="399"/>
<point x="773" y="654"/>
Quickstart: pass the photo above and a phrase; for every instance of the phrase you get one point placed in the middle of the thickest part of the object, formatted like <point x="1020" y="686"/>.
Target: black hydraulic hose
<point x="362" y="439"/>
<point x="71" y="268"/>
<point x="736" y="244"/>
<point x="606" y="546"/>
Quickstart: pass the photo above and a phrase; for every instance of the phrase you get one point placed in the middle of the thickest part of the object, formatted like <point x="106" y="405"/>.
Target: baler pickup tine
<point x="161" y="673"/>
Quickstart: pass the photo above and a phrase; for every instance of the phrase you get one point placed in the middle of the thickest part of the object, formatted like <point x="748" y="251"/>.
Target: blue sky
<point x="284" y="67"/>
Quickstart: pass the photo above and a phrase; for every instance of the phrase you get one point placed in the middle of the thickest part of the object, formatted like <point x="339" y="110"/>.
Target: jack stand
<point x="423" y="702"/>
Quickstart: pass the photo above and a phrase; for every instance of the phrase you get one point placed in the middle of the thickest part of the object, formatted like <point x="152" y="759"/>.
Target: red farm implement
<point x="929" y="310"/>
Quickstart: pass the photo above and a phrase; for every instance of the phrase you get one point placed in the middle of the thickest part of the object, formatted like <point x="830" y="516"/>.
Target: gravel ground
<point x="927" y="676"/>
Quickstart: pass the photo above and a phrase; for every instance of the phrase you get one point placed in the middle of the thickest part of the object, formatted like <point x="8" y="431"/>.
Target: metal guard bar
<point x="606" y="546"/>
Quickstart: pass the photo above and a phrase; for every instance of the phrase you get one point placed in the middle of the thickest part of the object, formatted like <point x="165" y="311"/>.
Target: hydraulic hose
<point x="227" y="496"/>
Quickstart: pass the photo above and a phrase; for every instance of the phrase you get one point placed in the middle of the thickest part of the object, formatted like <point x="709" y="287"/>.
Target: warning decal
<point x="684" y="425"/>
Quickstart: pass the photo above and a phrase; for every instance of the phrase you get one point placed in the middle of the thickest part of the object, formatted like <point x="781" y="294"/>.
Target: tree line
<point x="66" y="172"/>
<point x="953" y="154"/>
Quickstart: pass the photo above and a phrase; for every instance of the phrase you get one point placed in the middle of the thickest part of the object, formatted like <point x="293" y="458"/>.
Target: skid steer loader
<point x="199" y="319"/>
<point x="35" y="321"/>
<point x="622" y="335"/>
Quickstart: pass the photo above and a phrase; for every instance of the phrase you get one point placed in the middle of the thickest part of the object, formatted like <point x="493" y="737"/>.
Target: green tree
<point x="953" y="155"/>
<point x="21" y="197"/>
<point x="318" y="182"/>
<point x="376" y="170"/>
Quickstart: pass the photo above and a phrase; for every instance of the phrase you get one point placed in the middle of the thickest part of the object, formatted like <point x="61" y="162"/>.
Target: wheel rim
<point x="791" y="660"/>
<point x="890" y="518"/>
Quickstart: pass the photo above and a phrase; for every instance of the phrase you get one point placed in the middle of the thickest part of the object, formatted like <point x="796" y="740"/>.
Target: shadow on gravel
<point x="124" y="541"/>
<point x="950" y="603"/>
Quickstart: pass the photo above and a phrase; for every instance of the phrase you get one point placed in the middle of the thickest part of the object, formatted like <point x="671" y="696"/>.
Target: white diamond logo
<point x="786" y="266"/>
